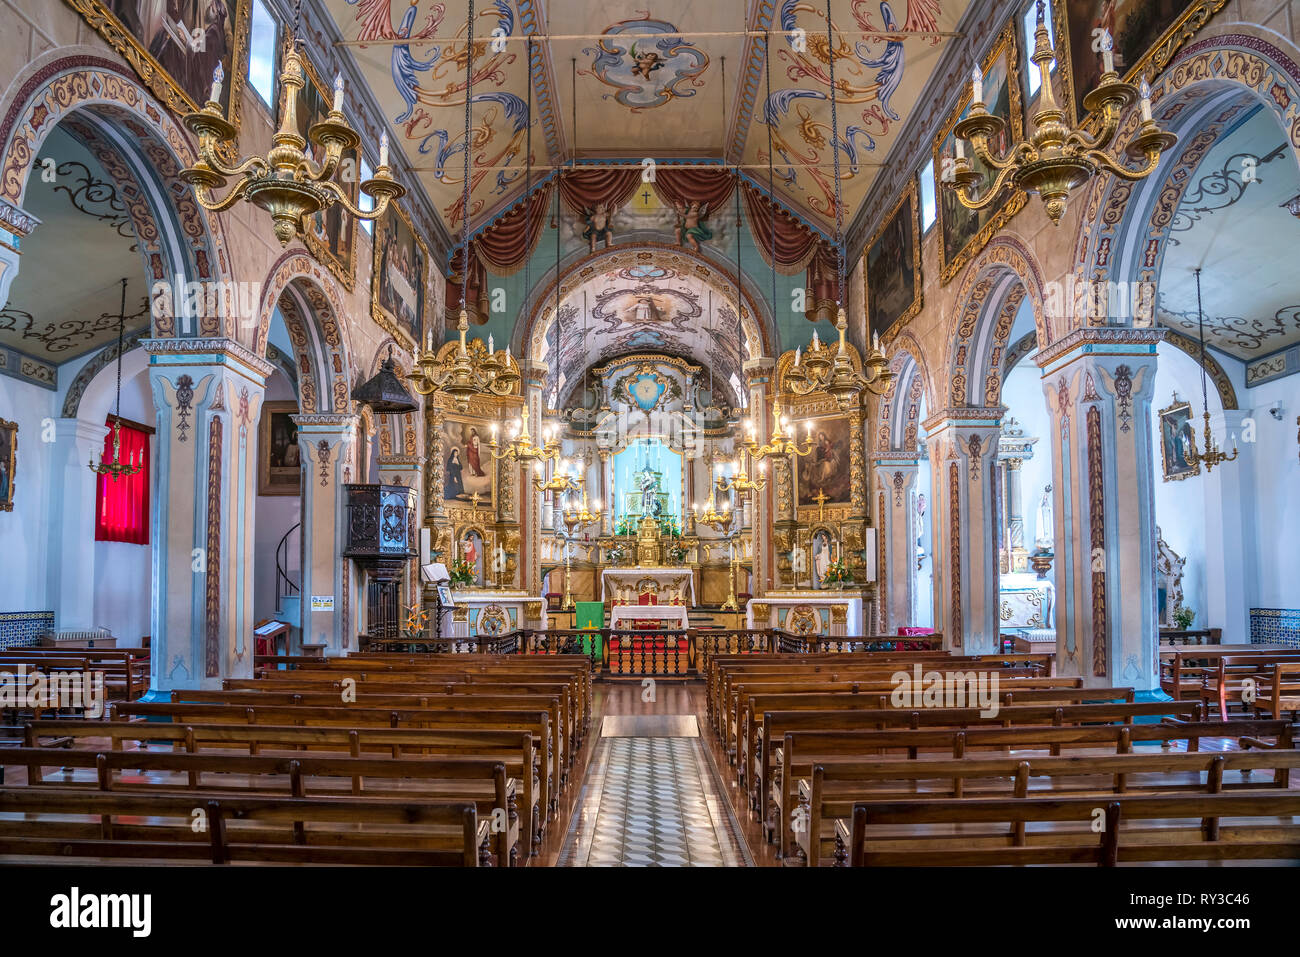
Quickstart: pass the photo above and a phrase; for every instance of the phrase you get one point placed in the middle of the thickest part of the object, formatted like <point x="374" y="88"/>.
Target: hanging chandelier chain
<point x="835" y="154"/>
<point x="469" y="97"/>
<point x="121" y="323"/>
<point x="1200" y="321"/>
<point x="771" y="181"/>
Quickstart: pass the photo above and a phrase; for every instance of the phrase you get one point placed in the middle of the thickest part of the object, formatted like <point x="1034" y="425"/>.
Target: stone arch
<point x="1213" y="369"/>
<point x="760" y="322"/>
<point x="102" y="360"/>
<point x="1124" y="230"/>
<point x="312" y="306"/>
<point x="991" y="292"/>
<point x="144" y="149"/>
<point x="899" y="412"/>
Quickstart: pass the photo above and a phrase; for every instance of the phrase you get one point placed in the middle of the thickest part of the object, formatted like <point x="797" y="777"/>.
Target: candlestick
<point x="1145" y="92"/>
<point x="217" y="76"/>
<point x="961" y="149"/>
<point x="977" y="84"/>
<point x="491" y="343"/>
<point x="383" y="149"/>
<point x="1107" y="58"/>
<point x="338" y="92"/>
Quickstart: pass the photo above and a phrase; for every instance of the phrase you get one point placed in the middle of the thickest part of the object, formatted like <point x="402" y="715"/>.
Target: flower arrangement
<point x="1183" y="618"/>
<point x="837" y="574"/>
<point x="461" y="572"/>
<point x="677" y="553"/>
<point x="416" y="620"/>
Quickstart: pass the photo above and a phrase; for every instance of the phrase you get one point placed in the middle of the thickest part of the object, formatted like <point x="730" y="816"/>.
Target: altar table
<point x="668" y="584"/>
<point x="623" y="616"/>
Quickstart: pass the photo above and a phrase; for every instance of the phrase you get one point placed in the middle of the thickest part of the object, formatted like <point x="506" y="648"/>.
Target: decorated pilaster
<point x="1098" y="382"/>
<point x="775" y="503"/>
<point x="208" y="397"/>
<point x="963" y="450"/>
<point x="896" y="538"/>
<point x="328" y="447"/>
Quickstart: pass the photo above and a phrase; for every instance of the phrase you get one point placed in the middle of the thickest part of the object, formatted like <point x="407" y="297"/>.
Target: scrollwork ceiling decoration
<point x="1220" y="189"/>
<point x="58" y="337"/>
<point x="1239" y="332"/>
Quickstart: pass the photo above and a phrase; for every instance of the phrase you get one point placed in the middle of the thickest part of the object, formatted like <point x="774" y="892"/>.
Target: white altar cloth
<point x="623" y="615"/>
<point x="624" y="583"/>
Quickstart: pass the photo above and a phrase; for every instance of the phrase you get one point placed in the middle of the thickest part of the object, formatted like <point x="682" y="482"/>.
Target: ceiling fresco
<point x="679" y="79"/>
<point x="1231" y="223"/>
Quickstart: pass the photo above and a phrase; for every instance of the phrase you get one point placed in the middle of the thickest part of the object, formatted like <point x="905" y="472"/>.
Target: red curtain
<point x="476" y="294"/>
<point x="582" y="189"/>
<point x="796" y="244"/>
<point x="711" y="186"/>
<point x="821" y="284"/>
<point x="122" y="504"/>
<point x="505" y="245"/>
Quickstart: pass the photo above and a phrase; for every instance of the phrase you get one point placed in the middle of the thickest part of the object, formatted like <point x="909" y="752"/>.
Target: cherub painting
<point x="691" y="227"/>
<point x="598" y="227"/>
<point x="645" y="63"/>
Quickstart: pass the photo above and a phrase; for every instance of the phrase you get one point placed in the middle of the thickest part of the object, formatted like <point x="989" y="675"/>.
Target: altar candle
<point x="977" y="84"/>
<point x="491" y="343"/>
<point x="383" y="149"/>
<point x="1107" y="58"/>
<point x="961" y="149"/>
<point x="797" y="350"/>
<point x="1145" y="92"/>
<point x="338" y="92"/>
<point x="217" y="76"/>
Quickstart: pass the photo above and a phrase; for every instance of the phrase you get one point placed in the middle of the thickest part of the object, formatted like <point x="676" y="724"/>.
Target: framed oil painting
<point x="400" y="277"/>
<point x="467" y="463"/>
<point x="329" y="235"/>
<point x="8" y="463"/>
<point x="964" y="232"/>
<point x="893" y="267"/>
<point x="279" y="458"/>
<point x="1145" y="34"/>
<point x="175" y="45"/>
<point x="1177" y="439"/>
<point x="825" y="470"/>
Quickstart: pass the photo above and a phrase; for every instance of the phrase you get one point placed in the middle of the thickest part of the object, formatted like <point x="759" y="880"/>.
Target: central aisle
<point x="650" y="797"/>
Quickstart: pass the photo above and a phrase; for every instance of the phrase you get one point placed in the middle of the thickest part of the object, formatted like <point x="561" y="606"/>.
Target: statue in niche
<point x="598" y="225"/>
<point x="691" y="228"/>
<point x="1046" y="527"/>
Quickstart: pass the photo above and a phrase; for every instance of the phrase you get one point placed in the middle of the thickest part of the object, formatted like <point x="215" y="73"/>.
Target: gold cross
<point x="474" y="500"/>
<point x="820" y="499"/>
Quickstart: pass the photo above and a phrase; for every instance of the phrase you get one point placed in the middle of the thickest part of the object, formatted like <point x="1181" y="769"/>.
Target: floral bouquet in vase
<point x="461" y="573"/>
<point x="416" y="620"/>
<point x="837" y="575"/>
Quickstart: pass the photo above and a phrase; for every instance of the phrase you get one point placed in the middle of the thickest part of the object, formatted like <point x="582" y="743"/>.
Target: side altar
<point x="488" y="612"/>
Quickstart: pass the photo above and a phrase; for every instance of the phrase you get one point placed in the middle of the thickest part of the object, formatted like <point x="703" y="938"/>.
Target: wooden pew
<point x="145" y="826"/>
<point x="1215" y="827"/>
<point x="831" y="792"/>
<point x="1183" y="670"/>
<point x="1241" y="676"/>
<point x="124" y="677"/>
<point x="1280" y="691"/>
<point x="484" y="782"/>
<point x="514" y="749"/>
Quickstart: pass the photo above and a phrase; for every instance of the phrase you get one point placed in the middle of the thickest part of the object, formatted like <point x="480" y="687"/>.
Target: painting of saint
<point x="825" y="470"/>
<point x="960" y="228"/>
<point x="1177" y="443"/>
<point x="893" y="266"/>
<point x="1134" y="26"/>
<point x="401" y="272"/>
<point x="279" y="456"/>
<point x="8" y="461"/>
<point x="466" y="464"/>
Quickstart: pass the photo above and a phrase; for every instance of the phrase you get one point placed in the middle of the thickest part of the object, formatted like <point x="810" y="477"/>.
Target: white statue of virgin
<point x="1046" y="531"/>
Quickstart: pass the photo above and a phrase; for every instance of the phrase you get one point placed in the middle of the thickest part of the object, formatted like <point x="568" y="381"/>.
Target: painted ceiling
<point x="1232" y="225"/>
<point x="660" y="305"/>
<point x="614" y="82"/>
<point x="65" y="300"/>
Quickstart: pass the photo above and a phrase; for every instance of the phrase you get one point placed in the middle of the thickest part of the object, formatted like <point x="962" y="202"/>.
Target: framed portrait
<point x="175" y="45"/>
<point x="330" y="235"/>
<point x="964" y="232"/>
<point x="893" y="266"/>
<point x="399" y="280"/>
<point x="1177" y="440"/>
<point x="825" y="470"/>
<point x="8" y="463"/>
<point x="1145" y="35"/>
<point x="279" y="459"/>
<point x="468" y="468"/>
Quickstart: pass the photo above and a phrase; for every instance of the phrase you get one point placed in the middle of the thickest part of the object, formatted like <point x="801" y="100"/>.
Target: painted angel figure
<point x="691" y="227"/>
<point x="645" y="63"/>
<point x="598" y="226"/>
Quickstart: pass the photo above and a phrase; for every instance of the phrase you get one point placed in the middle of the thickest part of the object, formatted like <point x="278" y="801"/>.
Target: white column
<point x="896" y="479"/>
<point x="1230" y="532"/>
<point x="71" y="576"/>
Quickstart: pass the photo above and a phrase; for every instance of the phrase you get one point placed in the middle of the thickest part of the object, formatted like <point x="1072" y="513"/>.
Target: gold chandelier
<point x="467" y="371"/>
<point x="286" y="182"/>
<point x="1056" y="159"/>
<point x="117" y="467"/>
<point x="561" y="482"/>
<point x="739" y="481"/>
<point x="1212" y="455"/>
<point x="583" y="516"/>
<point x="830" y="369"/>
<point x="779" y="443"/>
<point x="521" y="447"/>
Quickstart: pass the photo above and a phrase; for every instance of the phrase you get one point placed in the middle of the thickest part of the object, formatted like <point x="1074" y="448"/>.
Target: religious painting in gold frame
<point x="964" y="232"/>
<point x="8" y="463"/>
<point x="892" y="266"/>
<point x="399" y="278"/>
<point x="1145" y="35"/>
<point x="279" y="456"/>
<point x="330" y="235"/>
<point x="175" y="49"/>
<point x="468" y="468"/>
<point x="1177" y="439"/>
<point x="826" y="469"/>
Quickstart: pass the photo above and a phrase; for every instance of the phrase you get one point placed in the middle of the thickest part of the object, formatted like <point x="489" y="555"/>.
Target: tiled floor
<point x="651" y="799"/>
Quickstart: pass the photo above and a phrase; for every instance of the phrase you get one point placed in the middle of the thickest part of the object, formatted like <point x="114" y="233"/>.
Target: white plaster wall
<point x="276" y="514"/>
<point x="1277" y="490"/>
<point x="24" y="543"/>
